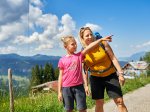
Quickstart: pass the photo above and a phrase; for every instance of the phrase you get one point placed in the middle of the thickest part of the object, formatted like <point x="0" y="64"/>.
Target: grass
<point x="47" y="102"/>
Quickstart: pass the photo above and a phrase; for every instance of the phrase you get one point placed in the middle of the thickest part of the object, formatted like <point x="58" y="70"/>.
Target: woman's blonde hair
<point x="81" y="33"/>
<point x="66" y="39"/>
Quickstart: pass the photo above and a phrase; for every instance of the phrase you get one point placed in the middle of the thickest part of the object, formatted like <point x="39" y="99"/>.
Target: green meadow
<point x="47" y="101"/>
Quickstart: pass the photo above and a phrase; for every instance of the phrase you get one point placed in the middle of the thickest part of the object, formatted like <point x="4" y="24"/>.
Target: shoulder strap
<point x="102" y="45"/>
<point x="85" y="67"/>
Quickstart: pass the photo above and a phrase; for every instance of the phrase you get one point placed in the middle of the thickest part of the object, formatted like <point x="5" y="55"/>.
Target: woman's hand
<point x="108" y="38"/>
<point x="121" y="80"/>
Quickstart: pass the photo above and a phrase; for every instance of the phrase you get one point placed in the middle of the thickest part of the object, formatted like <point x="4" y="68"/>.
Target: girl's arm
<point x="115" y="62"/>
<point x="60" y="85"/>
<point x="95" y="43"/>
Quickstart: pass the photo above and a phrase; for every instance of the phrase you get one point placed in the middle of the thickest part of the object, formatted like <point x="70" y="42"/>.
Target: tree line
<point x="47" y="73"/>
<point x="40" y="74"/>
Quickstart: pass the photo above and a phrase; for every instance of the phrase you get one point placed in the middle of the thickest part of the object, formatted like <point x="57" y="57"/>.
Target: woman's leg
<point x="97" y="91"/>
<point x="82" y="110"/>
<point x="120" y="104"/>
<point x="114" y="91"/>
<point x="99" y="105"/>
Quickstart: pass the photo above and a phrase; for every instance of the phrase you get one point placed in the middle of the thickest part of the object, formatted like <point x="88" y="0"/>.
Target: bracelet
<point x="121" y="75"/>
<point x="121" y="72"/>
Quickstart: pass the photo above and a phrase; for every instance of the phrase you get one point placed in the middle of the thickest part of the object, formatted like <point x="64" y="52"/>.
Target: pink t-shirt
<point x="72" y="70"/>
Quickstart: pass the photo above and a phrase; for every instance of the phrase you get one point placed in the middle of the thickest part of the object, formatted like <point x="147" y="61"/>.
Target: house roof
<point x="139" y="65"/>
<point x="45" y="84"/>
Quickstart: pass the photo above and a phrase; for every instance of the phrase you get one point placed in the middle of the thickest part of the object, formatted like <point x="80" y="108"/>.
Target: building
<point x="135" y="68"/>
<point x="48" y="86"/>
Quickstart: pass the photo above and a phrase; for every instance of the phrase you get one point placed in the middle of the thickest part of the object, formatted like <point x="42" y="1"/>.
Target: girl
<point x="70" y="81"/>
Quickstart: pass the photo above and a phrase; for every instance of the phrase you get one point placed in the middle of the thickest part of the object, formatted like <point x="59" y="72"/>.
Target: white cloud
<point x="34" y="14"/>
<point x="12" y="10"/>
<point x="27" y="40"/>
<point x="146" y="44"/>
<point x="36" y="2"/>
<point x="11" y="30"/>
<point x="93" y="27"/>
<point x="15" y="3"/>
<point x="44" y="47"/>
<point x="8" y="49"/>
<point x="48" y="22"/>
<point x="68" y="26"/>
<point x="41" y="31"/>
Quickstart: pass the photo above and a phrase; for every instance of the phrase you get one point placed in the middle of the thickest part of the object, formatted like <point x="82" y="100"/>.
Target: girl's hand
<point x="60" y="96"/>
<point x="87" y="91"/>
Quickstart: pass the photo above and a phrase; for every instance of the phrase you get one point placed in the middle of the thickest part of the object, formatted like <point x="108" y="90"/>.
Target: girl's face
<point x="71" y="46"/>
<point x="88" y="37"/>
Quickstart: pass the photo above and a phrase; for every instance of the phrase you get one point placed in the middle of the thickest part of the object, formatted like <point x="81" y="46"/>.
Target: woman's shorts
<point x="75" y="93"/>
<point x="110" y="83"/>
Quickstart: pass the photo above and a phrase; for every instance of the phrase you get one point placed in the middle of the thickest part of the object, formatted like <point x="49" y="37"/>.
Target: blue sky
<point x="35" y="27"/>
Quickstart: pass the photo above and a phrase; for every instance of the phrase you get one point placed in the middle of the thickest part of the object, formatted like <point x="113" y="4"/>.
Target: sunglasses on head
<point x="82" y="29"/>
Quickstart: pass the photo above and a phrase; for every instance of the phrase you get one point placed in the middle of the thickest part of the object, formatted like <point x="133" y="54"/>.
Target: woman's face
<point x="88" y="37"/>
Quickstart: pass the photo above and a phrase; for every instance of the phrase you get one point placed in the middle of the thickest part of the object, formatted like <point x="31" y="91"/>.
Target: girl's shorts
<point x="75" y="93"/>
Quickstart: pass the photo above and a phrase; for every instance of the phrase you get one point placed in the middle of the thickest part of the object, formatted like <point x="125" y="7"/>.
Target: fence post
<point x="11" y="90"/>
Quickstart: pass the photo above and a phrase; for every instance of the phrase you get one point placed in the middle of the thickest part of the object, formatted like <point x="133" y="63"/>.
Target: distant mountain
<point x="134" y="57"/>
<point x="122" y="63"/>
<point x="21" y="65"/>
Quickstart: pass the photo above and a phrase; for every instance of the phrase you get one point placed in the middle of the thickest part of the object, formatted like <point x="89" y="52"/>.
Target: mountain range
<point x="133" y="57"/>
<point x="22" y="65"/>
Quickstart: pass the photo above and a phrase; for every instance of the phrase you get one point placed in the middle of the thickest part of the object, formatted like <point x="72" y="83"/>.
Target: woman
<point x="103" y="66"/>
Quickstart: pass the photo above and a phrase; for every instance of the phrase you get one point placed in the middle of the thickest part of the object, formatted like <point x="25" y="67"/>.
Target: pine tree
<point x="141" y="59"/>
<point x="52" y="72"/>
<point x="56" y="73"/>
<point x="35" y="77"/>
<point x="49" y="72"/>
<point x="41" y="75"/>
<point x="147" y="57"/>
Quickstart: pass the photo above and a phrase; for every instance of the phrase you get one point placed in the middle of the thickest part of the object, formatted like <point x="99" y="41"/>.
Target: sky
<point x="30" y="27"/>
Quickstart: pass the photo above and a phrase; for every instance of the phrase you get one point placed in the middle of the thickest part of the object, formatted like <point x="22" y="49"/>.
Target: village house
<point x="48" y="86"/>
<point x="132" y="69"/>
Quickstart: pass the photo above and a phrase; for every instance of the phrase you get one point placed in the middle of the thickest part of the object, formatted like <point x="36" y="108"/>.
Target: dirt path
<point x="136" y="101"/>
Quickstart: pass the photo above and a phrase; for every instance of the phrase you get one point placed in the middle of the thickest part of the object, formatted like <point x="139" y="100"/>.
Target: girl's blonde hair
<point x="81" y="35"/>
<point x="66" y="39"/>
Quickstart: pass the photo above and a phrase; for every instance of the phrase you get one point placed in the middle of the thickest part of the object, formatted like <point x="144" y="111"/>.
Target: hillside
<point x="21" y="65"/>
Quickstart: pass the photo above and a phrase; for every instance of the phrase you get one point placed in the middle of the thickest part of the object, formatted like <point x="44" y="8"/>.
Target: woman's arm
<point x="115" y="62"/>
<point x="95" y="43"/>
<point x="60" y="85"/>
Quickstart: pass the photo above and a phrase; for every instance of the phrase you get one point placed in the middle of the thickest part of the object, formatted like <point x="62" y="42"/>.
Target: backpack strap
<point x="102" y="45"/>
